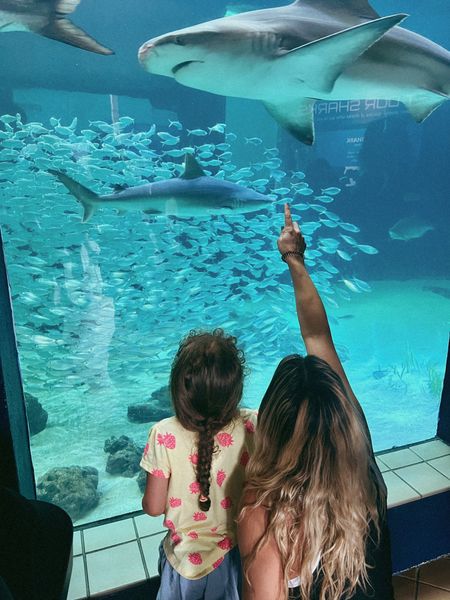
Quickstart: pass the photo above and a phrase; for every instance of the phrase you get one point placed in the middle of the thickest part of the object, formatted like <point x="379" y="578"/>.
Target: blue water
<point x="100" y="307"/>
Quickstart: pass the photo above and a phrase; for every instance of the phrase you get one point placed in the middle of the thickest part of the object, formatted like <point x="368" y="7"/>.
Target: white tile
<point x="400" y="458"/>
<point x="424" y="479"/>
<point x="399" y="492"/>
<point x="147" y="525"/>
<point x="441" y="464"/>
<point x="433" y="449"/>
<point x="77" y="586"/>
<point x="381" y="465"/>
<point x="111" y="534"/>
<point x="115" y="567"/>
<point x="77" y="549"/>
<point x="150" y="546"/>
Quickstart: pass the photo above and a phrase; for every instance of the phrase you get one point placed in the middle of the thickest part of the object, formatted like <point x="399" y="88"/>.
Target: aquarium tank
<point x="106" y="278"/>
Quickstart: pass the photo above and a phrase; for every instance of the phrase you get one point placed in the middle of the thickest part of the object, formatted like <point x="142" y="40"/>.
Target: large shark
<point x="290" y="56"/>
<point x="193" y="194"/>
<point x="47" y="18"/>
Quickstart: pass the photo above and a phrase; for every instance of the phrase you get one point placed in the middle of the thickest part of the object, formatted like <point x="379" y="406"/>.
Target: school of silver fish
<point x="112" y="297"/>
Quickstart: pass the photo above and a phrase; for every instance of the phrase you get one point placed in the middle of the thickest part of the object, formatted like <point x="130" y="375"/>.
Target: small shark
<point x="293" y="55"/>
<point x="193" y="194"/>
<point x="47" y="18"/>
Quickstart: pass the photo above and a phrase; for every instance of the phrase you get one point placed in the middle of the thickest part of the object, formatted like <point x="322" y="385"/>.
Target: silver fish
<point x="409" y="228"/>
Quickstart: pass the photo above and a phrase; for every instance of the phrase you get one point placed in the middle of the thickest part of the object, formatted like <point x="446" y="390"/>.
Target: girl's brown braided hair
<point x="206" y="383"/>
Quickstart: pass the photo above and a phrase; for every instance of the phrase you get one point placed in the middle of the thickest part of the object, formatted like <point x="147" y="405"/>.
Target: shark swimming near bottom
<point x="289" y="57"/>
<point x="47" y="18"/>
<point x="193" y="194"/>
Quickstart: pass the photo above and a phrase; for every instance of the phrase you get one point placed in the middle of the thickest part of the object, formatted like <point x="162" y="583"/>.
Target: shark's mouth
<point x="184" y="64"/>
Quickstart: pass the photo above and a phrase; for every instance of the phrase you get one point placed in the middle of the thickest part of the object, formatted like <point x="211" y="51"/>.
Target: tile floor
<point x="427" y="582"/>
<point x="125" y="551"/>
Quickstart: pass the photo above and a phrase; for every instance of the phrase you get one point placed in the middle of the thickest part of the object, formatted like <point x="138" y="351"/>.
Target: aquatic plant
<point x="396" y="378"/>
<point x="434" y="381"/>
<point x="410" y="364"/>
<point x="428" y="373"/>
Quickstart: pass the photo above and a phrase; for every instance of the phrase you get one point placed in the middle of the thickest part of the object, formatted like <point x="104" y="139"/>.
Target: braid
<point x="203" y="470"/>
<point x="206" y="383"/>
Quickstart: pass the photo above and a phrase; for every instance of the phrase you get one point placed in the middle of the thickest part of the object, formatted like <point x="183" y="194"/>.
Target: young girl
<point x="195" y="465"/>
<point x="313" y="524"/>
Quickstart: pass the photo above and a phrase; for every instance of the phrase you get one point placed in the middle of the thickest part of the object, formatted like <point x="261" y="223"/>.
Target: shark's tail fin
<point x="84" y="195"/>
<point x="63" y="30"/>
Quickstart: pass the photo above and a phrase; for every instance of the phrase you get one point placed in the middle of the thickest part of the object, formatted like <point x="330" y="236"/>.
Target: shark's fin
<point x="360" y="8"/>
<point x="84" y="195"/>
<point x="63" y="30"/>
<point x="422" y="104"/>
<point x="192" y="169"/>
<point x="89" y="210"/>
<point x="66" y="7"/>
<point x="297" y="117"/>
<point x="319" y="63"/>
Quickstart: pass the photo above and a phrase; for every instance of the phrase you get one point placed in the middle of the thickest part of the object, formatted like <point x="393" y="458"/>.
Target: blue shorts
<point x="224" y="583"/>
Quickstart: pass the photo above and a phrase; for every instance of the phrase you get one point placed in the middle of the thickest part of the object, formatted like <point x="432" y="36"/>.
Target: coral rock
<point x="124" y="456"/>
<point x="36" y="415"/>
<point x="72" y="488"/>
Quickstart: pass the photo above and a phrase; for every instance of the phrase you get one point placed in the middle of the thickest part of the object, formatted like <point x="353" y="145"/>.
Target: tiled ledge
<point x="115" y="555"/>
<point x="125" y="551"/>
<point x="415" y="472"/>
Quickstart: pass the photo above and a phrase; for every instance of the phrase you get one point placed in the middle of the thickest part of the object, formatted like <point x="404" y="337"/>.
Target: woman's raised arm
<point x="311" y="314"/>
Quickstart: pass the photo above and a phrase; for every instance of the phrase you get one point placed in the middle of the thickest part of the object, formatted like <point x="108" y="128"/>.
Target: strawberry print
<point x="244" y="458"/>
<point x="214" y="529"/>
<point x="193" y="458"/>
<point x="249" y="426"/>
<point x="226" y="502"/>
<point x="176" y="539"/>
<point x="175" y="502"/>
<point x="194" y="487"/>
<point x="220" y="478"/>
<point x="218" y="562"/>
<point x="158" y="473"/>
<point x="199" y="516"/>
<point x="225" y="544"/>
<point x="168" y="440"/>
<point x="169" y="524"/>
<point x="225" y="439"/>
<point x="193" y="535"/>
<point x="147" y="446"/>
<point x="195" y="558"/>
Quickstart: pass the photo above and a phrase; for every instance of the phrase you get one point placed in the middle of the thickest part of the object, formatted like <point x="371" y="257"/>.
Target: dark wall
<point x="443" y="429"/>
<point x="16" y="468"/>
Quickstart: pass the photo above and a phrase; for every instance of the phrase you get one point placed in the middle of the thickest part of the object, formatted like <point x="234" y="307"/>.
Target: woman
<point x="313" y="522"/>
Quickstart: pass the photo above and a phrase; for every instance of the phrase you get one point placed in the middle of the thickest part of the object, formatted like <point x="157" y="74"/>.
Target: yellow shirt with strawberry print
<point x="197" y="541"/>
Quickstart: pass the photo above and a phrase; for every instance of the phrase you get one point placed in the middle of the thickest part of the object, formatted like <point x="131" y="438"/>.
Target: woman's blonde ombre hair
<point x="314" y="472"/>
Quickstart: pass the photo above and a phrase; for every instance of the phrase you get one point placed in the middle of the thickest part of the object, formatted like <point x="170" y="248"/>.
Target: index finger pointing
<point x="287" y="216"/>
